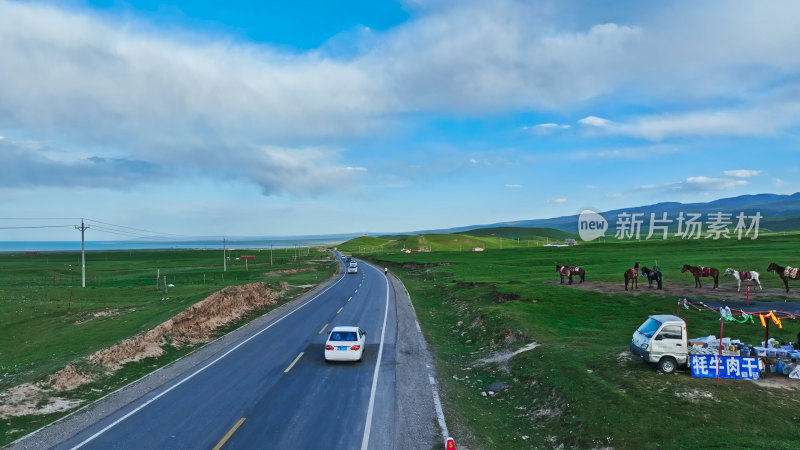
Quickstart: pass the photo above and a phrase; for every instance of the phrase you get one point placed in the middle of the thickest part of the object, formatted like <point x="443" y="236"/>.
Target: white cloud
<point x="513" y="186"/>
<point x="742" y="173"/>
<point x="594" y="121"/>
<point x="544" y="128"/>
<point x="696" y="184"/>
<point x="557" y="200"/>
<point x="473" y="161"/>
<point x="224" y="106"/>
<point x="629" y="153"/>
<point x="764" y="117"/>
<point x="703" y="183"/>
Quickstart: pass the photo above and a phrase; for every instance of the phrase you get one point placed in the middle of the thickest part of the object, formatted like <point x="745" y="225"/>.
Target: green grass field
<point x="503" y="238"/>
<point x="580" y="387"/>
<point x="50" y="321"/>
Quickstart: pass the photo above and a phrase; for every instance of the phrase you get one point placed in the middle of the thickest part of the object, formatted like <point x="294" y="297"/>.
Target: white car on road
<point x="353" y="268"/>
<point x="345" y="344"/>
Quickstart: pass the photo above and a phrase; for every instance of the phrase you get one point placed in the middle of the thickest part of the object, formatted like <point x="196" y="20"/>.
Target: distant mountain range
<point x="779" y="212"/>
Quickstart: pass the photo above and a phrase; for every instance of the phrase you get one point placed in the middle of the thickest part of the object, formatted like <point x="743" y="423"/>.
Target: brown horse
<point x="786" y="273"/>
<point x="632" y="275"/>
<point x="700" y="271"/>
<point x="569" y="271"/>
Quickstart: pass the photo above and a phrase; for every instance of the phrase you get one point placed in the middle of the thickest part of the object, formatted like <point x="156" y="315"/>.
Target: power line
<point x="39" y="226"/>
<point x="40" y="218"/>
<point x="135" y="229"/>
<point x="110" y="228"/>
<point x="116" y="232"/>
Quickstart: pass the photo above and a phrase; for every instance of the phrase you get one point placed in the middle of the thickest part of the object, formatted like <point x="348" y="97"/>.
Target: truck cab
<point x="662" y="340"/>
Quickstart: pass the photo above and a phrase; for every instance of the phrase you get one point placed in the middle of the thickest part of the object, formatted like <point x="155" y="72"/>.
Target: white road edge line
<point x="437" y="404"/>
<point x="143" y="405"/>
<point x="368" y="424"/>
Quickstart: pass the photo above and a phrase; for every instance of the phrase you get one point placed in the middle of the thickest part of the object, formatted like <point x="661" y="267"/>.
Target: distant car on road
<point x="353" y="268"/>
<point x="345" y="344"/>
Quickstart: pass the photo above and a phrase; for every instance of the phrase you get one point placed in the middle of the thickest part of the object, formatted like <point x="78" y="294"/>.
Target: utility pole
<point x="270" y="254"/>
<point x="83" y="228"/>
<point x="224" y="256"/>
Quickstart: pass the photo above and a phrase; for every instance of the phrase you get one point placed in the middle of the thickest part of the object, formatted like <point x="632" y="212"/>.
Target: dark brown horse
<point x="632" y="275"/>
<point x="653" y="275"/>
<point x="569" y="271"/>
<point x="700" y="271"/>
<point x="786" y="273"/>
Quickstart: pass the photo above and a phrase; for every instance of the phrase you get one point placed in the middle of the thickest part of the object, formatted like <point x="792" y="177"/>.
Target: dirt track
<point x="726" y="291"/>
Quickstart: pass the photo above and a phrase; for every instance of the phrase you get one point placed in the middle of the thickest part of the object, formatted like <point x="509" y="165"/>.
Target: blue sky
<point x="319" y="117"/>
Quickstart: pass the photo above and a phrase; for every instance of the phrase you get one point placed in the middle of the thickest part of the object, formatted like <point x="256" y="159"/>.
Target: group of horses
<point x="632" y="275"/>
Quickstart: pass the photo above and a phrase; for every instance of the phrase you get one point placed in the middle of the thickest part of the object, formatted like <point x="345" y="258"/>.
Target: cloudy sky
<point x="317" y="117"/>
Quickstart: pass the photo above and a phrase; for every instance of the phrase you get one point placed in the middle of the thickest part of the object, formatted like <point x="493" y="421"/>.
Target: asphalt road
<point x="271" y="388"/>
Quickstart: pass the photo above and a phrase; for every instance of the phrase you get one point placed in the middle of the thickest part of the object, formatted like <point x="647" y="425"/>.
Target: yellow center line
<point x="293" y="363"/>
<point x="323" y="328"/>
<point x="340" y="310"/>
<point x="230" y="433"/>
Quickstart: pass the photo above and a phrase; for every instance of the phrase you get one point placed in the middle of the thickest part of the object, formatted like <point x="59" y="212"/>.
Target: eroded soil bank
<point x="194" y="325"/>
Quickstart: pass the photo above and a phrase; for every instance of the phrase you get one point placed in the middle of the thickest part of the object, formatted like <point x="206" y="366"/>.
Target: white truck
<point x="662" y="340"/>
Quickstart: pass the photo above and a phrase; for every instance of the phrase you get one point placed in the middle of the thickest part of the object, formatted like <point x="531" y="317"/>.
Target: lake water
<point x="67" y="246"/>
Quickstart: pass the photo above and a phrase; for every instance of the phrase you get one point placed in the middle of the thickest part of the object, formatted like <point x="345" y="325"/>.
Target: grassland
<point x="499" y="238"/>
<point x="580" y="388"/>
<point x="50" y="321"/>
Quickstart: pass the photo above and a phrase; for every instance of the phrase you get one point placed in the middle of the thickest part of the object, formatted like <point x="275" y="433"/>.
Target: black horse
<point x="653" y="275"/>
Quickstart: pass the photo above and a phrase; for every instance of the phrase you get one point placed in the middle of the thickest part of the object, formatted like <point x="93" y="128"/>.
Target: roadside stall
<point x="663" y="340"/>
<point x="736" y="359"/>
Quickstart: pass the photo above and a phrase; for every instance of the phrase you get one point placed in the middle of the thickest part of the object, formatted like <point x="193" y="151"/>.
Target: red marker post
<point x="246" y="258"/>
<point x="451" y="444"/>
<point x="748" y="291"/>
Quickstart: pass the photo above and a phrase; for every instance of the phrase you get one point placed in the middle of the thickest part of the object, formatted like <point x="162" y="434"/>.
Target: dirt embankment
<point x="194" y="325"/>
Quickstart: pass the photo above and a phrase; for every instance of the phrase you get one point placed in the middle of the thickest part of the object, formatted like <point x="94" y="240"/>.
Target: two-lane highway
<point x="273" y="389"/>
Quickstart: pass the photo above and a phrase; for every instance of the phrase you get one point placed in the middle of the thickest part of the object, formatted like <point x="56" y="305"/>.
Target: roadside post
<point x="247" y="258"/>
<point x="721" y="327"/>
<point x="748" y="292"/>
<point x="450" y="444"/>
